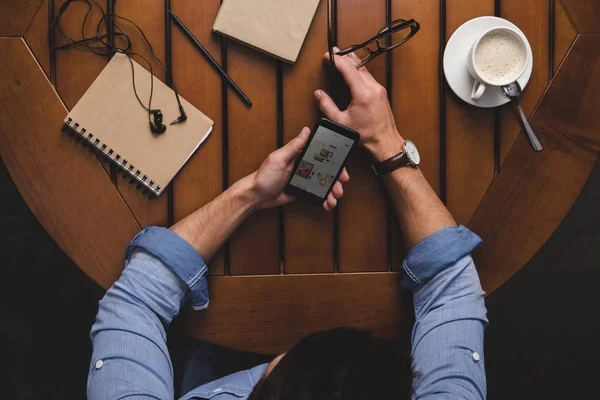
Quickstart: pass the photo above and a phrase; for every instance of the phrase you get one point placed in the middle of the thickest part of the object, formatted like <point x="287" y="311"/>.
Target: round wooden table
<point x="290" y="271"/>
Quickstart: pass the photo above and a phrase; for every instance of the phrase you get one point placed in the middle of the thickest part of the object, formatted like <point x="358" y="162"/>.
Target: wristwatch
<point x="408" y="156"/>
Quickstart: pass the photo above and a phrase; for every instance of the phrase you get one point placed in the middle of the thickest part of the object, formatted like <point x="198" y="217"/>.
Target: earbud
<point x="157" y="127"/>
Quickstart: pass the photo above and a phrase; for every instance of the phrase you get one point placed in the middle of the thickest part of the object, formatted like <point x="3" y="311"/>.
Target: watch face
<point x="412" y="152"/>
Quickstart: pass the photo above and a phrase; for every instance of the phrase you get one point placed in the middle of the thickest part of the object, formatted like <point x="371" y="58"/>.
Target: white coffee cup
<point x="497" y="58"/>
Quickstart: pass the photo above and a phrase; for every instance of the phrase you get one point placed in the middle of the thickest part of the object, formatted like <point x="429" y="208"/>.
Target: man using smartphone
<point x="165" y="269"/>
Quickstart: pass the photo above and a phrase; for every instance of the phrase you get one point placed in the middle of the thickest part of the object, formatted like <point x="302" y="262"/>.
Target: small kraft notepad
<point x="112" y="123"/>
<point x="276" y="27"/>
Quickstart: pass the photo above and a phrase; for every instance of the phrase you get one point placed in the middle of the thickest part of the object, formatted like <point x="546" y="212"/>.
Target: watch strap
<point x="398" y="161"/>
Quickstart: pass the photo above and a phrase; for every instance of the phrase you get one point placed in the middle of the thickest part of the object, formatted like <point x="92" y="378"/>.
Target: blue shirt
<point x="163" y="273"/>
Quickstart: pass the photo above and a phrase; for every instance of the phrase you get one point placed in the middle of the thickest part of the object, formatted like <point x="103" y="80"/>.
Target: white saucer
<point x="455" y="62"/>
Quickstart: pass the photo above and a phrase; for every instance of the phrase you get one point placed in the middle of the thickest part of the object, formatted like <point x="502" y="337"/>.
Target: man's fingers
<point x="336" y="193"/>
<point x="331" y="201"/>
<point x="328" y="107"/>
<point x="288" y="153"/>
<point x="338" y="190"/>
<point x="344" y="176"/>
<point x="286" y="199"/>
<point x="364" y="72"/>
<point x="353" y="57"/>
<point x="351" y="75"/>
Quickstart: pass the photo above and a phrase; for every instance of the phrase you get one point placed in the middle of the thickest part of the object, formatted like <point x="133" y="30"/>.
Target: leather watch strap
<point x="398" y="161"/>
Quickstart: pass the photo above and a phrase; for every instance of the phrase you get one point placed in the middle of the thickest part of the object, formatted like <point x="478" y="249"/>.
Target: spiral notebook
<point x="110" y="121"/>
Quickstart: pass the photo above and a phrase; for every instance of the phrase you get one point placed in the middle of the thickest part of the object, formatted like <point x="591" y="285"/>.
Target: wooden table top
<point x="300" y="257"/>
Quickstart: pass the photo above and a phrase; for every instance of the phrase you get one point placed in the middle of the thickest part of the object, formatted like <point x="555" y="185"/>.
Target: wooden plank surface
<point x="534" y="191"/>
<point x="362" y="212"/>
<point x="70" y="195"/>
<point x="564" y="34"/>
<point x="414" y="93"/>
<point x="201" y="179"/>
<point x="76" y="70"/>
<point x="416" y="84"/>
<point x="469" y="130"/>
<point x="150" y="18"/>
<point x="585" y="14"/>
<point x="252" y="137"/>
<point x="37" y="37"/>
<point x="293" y="306"/>
<point x="308" y="229"/>
<point x="533" y="18"/>
<point x="528" y="200"/>
<point x="15" y="16"/>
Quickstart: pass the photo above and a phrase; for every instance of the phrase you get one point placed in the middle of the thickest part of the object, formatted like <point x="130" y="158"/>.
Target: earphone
<point x="104" y="49"/>
<point x="157" y="127"/>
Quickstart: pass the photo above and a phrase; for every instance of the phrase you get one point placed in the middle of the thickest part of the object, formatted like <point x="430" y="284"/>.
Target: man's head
<point x="338" y="364"/>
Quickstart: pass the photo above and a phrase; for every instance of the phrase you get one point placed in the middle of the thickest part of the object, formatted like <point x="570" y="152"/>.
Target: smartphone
<point x="322" y="160"/>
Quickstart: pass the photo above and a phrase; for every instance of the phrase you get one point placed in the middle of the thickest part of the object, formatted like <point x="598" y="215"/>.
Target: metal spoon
<point x="513" y="92"/>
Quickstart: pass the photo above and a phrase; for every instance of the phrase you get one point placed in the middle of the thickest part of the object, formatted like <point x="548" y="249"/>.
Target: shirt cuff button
<point x="99" y="364"/>
<point x="476" y="356"/>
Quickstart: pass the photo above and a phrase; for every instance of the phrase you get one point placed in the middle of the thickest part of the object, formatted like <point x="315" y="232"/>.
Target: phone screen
<point x="322" y="161"/>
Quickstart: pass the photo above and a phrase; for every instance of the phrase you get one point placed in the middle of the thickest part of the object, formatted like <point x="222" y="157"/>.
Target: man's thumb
<point x="294" y="146"/>
<point x="328" y="106"/>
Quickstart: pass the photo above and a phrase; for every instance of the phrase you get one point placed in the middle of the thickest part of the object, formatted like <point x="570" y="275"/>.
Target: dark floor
<point x="542" y="342"/>
<point x="47" y="307"/>
<point x="543" y="337"/>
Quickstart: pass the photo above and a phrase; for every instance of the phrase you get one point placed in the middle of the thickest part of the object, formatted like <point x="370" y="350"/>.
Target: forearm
<point x="164" y="270"/>
<point x="418" y="208"/>
<point x="447" y="340"/>
<point x="449" y="306"/>
<point x="162" y="273"/>
<point x="210" y="226"/>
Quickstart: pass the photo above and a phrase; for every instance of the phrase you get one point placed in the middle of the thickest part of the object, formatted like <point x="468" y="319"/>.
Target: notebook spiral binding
<point x="150" y="188"/>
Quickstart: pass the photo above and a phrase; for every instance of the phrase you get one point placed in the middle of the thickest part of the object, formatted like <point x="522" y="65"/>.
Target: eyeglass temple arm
<point x="414" y="28"/>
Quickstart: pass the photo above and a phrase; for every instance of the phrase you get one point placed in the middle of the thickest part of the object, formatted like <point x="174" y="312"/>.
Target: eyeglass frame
<point x="384" y="32"/>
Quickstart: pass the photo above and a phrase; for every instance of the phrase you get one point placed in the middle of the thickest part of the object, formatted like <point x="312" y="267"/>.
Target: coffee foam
<point x="500" y="57"/>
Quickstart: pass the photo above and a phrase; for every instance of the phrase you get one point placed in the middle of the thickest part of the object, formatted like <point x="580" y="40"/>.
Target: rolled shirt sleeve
<point x="447" y="338"/>
<point x="436" y="253"/>
<point x="179" y="256"/>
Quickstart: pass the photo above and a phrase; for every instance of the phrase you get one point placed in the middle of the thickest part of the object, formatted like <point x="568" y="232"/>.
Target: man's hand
<point x="369" y="112"/>
<point x="274" y="173"/>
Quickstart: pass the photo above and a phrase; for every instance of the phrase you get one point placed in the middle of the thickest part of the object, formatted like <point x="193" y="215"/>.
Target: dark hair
<point x="340" y="364"/>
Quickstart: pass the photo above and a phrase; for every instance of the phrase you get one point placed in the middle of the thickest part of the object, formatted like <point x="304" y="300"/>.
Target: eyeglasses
<point x="387" y="39"/>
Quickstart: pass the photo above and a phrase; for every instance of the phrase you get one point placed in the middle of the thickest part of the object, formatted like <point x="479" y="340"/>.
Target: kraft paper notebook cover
<point x="277" y="27"/>
<point x="110" y="120"/>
